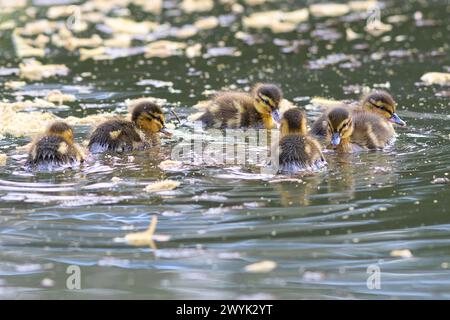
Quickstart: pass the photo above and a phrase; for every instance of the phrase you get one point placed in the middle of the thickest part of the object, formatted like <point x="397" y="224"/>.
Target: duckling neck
<point x="266" y="117"/>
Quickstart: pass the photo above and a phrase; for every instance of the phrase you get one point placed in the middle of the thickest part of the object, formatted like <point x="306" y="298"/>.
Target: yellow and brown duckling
<point x="381" y="102"/>
<point x="377" y="102"/>
<point x="119" y="135"/>
<point x="55" y="148"/>
<point x="259" y="109"/>
<point x="348" y="132"/>
<point x="297" y="150"/>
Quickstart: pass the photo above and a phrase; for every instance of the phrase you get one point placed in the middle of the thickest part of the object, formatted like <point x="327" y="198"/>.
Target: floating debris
<point x="147" y="237"/>
<point x="20" y="124"/>
<point x="24" y="49"/>
<point x="14" y="85"/>
<point x="277" y="21"/>
<point x="155" y="83"/>
<point x="92" y="119"/>
<point x="98" y="53"/>
<point x="190" y="6"/>
<point x="206" y="23"/>
<point x="123" y="25"/>
<point x="377" y="28"/>
<point x="313" y="276"/>
<point x="440" y="181"/>
<point x="261" y="267"/>
<point x="47" y="283"/>
<point x="164" y="49"/>
<point x="331" y="59"/>
<point x="351" y="35"/>
<point x="35" y="70"/>
<point x="441" y="78"/>
<point x="3" y="158"/>
<point x="222" y="51"/>
<point x="163" y="185"/>
<point x="56" y="96"/>
<point x="194" y="51"/>
<point x="26" y="105"/>
<point x="363" y="5"/>
<point x="329" y="9"/>
<point x="170" y="165"/>
<point x="404" y="253"/>
<point x="286" y="180"/>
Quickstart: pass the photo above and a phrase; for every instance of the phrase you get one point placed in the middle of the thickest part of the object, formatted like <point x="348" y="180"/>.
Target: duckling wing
<point x="228" y="110"/>
<point x="371" y="131"/>
<point x="114" y="135"/>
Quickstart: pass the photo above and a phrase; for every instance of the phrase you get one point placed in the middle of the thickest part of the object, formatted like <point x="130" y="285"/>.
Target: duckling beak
<point x="397" y="120"/>
<point x="276" y="115"/>
<point x="335" y="139"/>
<point x="165" y="132"/>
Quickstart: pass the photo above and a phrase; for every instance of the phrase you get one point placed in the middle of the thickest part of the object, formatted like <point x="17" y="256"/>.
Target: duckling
<point x="381" y="102"/>
<point x="347" y="131"/>
<point x="147" y="120"/>
<point x="55" y="148"/>
<point x="339" y="129"/>
<point x="297" y="150"/>
<point x="377" y="102"/>
<point x="242" y="110"/>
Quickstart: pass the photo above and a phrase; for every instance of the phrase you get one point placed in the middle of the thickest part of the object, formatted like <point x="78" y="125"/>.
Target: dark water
<point x="323" y="233"/>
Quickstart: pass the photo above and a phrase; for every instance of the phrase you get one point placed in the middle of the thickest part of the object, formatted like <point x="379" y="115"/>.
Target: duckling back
<point x="231" y="110"/>
<point x="371" y="130"/>
<point x="297" y="150"/>
<point x="319" y="128"/>
<point x="298" y="153"/>
<point x="115" y="135"/>
<point x="53" y="151"/>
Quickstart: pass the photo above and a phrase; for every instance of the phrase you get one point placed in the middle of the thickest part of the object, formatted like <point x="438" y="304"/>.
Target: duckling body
<point x="297" y="150"/>
<point x="339" y="130"/>
<point x="371" y="131"/>
<point x="56" y="148"/>
<point x="116" y="135"/>
<point x="119" y="135"/>
<point x="352" y="131"/>
<point x="243" y="110"/>
<point x="378" y="103"/>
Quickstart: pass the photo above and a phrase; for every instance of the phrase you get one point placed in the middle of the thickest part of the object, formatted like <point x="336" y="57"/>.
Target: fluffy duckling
<point x="346" y="131"/>
<point x="339" y="129"/>
<point x="377" y="102"/>
<point x="147" y="121"/>
<point x="381" y="102"/>
<point x="242" y="110"/>
<point x="297" y="150"/>
<point x="55" y="148"/>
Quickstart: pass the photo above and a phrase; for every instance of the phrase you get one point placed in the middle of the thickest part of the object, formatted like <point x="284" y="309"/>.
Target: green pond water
<point x="324" y="233"/>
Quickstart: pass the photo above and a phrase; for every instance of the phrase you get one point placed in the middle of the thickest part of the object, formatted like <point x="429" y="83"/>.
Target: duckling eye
<point x="157" y="118"/>
<point x="385" y="109"/>
<point x="266" y="102"/>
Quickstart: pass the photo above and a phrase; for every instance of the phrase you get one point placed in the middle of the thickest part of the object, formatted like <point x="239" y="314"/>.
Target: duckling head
<point x="382" y="103"/>
<point x="267" y="99"/>
<point x="61" y="129"/>
<point x="340" y="125"/>
<point x="293" y="123"/>
<point x="149" y="118"/>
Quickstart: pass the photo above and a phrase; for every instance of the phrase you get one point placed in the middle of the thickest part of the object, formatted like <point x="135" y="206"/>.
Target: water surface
<point x="323" y="232"/>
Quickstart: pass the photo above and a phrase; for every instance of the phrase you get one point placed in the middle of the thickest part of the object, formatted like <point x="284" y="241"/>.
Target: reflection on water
<point x="323" y="229"/>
